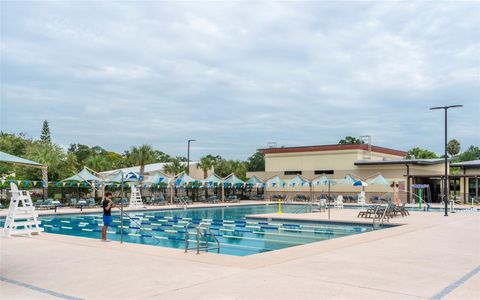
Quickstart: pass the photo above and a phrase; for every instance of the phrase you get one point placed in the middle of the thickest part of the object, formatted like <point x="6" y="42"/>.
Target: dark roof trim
<point x="333" y="147"/>
<point x="467" y="164"/>
<point x="399" y="162"/>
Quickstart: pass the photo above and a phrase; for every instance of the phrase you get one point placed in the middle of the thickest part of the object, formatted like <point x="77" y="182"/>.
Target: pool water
<point x="237" y="235"/>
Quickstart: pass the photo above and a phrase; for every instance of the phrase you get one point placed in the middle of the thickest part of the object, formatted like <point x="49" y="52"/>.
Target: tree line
<point x="63" y="164"/>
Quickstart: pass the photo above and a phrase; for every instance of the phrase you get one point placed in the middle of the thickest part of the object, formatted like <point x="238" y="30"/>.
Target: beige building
<point x="362" y="161"/>
<point x="466" y="183"/>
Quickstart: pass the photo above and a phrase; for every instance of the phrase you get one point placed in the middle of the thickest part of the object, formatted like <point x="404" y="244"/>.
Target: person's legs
<point x="104" y="232"/>
<point x="106" y="223"/>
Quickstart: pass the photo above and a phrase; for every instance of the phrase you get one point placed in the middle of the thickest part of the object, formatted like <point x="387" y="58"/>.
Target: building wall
<point x="340" y="161"/>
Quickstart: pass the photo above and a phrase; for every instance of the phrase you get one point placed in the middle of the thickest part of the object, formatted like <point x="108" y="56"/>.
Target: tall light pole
<point x="445" y="184"/>
<point x="188" y="156"/>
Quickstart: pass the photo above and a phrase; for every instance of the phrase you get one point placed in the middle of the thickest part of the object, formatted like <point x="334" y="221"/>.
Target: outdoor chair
<point x="213" y="199"/>
<point x="401" y="210"/>
<point x="72" y="201"/>
<point x="368" y="212"/>
<point x="232" y="198"/>
<point x="91" y="202"/>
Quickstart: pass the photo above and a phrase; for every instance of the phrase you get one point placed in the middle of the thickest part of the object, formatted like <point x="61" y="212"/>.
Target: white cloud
<point x="237" y="75"/>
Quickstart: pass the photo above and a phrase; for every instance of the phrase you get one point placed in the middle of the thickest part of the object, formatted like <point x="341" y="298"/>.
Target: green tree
<point x="45" y="153"/>
<point x="175" y="167"/>
<point x="472" y="153"/>
<point x="162" y="156"/>
<point x="205" y="163"/>
<point x="141" y="156"/>
<point x="453" y="147"/>
<point x="45" y="136"/>
<point x="15" y="145"/>
<point x="69" y="166"/>
<point x="350" y="140"/>
<point x="225" y="167"/>
<point x="256" y="162"/>
<point x="419" y="153"/>
<point x="98" y="163"/>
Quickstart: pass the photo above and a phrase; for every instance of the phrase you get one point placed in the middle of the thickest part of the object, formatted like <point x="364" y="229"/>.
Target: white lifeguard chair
<point x="361" y="198"/>
<point x="22" y="219"/>
<point x="338" y="203"/>
<point x="135" y="197"/>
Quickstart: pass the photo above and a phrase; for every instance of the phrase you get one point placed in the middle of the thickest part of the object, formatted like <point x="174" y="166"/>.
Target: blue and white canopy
<point x="379" y="180"/>
<point x="212" y="180"/>
<point x="183" y="179"/>
<point x="232" y="180"/>
<point x="275" y="182"/>
<point x="323" y="180"/>
<point x="348" y="180"/>
<point x="83" y="176"/>
<point x="298" y="181"/>
<point x="255" y="181"/>
<point x="157" y="178"/>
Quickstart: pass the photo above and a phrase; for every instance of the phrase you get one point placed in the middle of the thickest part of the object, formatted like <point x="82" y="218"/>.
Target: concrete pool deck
<point x="429" y="257"/>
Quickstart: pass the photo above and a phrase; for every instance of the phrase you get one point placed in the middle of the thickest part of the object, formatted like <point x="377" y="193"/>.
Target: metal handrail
<point x="200" y="234"/>
<point x="375" y="215"/>
<point x="187" y="236"/>
<point x="183" y="202"/>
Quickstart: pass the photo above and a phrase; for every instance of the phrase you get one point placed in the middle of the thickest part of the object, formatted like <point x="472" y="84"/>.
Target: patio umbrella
<point x="360" y="183"/>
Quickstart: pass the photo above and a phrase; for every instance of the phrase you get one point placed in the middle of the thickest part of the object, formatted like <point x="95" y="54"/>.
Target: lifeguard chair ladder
<point x="135" y="197"/>
<point x="22" y="219"/>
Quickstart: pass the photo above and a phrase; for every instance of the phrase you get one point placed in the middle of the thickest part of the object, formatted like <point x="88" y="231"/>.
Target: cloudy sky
<point x="237" y="75"/>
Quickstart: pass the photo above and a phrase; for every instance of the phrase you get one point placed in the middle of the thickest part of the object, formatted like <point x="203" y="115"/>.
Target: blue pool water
<point x="237" y="235"/>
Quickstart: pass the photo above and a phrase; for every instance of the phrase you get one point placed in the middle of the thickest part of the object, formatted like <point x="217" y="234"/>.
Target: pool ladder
<point x="202" y="233"/>
<point x="382" y="217"/>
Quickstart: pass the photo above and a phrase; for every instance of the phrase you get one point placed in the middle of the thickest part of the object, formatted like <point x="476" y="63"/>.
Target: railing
<point x="199" y="235"/>
<point x="183" y="202"/>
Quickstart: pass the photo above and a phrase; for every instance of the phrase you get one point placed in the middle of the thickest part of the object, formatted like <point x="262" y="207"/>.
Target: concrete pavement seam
<point x="38" y="289"/>
<point x="454" y="285"/>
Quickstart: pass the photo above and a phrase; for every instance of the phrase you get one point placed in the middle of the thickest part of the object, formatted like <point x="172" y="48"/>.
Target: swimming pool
<point x="237" y="235"/>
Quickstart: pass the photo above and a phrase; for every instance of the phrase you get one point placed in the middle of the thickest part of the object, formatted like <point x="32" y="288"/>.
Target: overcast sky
<point x="237" y="75"/>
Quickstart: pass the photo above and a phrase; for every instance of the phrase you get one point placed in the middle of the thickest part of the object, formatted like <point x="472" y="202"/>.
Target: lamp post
<point x="445" y="184"/>
<point x="188" y="156"/>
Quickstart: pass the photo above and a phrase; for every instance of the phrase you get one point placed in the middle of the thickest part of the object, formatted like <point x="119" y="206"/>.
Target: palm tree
<point x="141" y="156"/>
<point x="175" y="167"/>
<point x="205" y="163"/>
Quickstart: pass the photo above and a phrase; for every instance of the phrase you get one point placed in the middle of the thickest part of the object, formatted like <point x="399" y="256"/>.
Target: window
<point x="293" y="172"/>
<point x="321" y="172"/>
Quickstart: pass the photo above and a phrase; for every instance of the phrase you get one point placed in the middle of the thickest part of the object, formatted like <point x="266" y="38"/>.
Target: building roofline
<point x="467" y="164"/>
<point x="399" y="162"/>
<point x="333" y="148"/>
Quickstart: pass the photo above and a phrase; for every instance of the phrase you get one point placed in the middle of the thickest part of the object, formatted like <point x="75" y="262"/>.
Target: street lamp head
<point x="192" y="141"/>
<point x="446" y="107"/>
